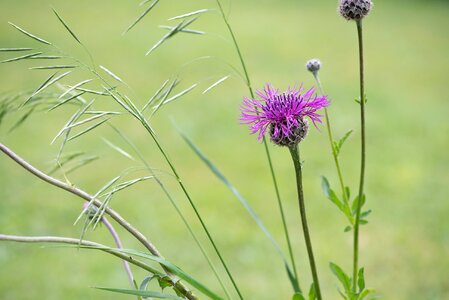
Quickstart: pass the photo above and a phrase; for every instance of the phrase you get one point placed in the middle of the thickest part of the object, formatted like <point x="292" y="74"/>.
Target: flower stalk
<point x="363" y="157"/>
<point x="294" y="151"/>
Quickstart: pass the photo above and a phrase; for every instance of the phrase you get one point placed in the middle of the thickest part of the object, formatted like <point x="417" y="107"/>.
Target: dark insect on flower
<point x="355" y="9"/>
<point x="283" y="115"/>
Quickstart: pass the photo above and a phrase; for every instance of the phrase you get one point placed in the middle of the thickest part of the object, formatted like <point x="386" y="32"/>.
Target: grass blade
<point x="75" y="87"/>
<point x="183" y="30"/>
<point x="87" y="129"/>
<point x="65" y="101"/>
<point x="20" y="57"/>
<point x="154" y="97"/>
<point x="166" y="93"/>
<point x="46" y="84"/>
<point x="180" y="26"/>
<point x="193" y="13"/>
<point x="46" y="57"/>
<point x="221" y="80"/>
<point x="175" y="270"/>
<point x="141" y="293"/>
<point x="141" y="16"/>
<point x="182" y="93"/>
<point x="54" y="67"/>
<point x="237" y="194"/>
<point x="112" y="74"/>
<point x="119" y="150"/>
<point x="14" y="49"/>
<point x="67" y="27"/>
<point x="29" y="34"/>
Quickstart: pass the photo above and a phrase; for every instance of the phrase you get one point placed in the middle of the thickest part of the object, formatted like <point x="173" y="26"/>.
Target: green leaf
<point x="236" y="193"/>
<point x="365" y="213"/>
<point x="312" y="292"/>
<point x="361" y="279"/>
<point x="144" y="284"/>
<point x="293" y="279"/>
<point x="141" y="293"/>
<point x="175" y="270"/>
<point x="355" y="204"/>
<point x="178" y="28"/>
<point x="342" y="277"/>
<point x="30" y="35"/>
<point x="20" y="57"/>
<point x="54" y="67"/>
<point x="340" y="143"/>
<point x="67" y="27"/>
<point x="51" y="80"/>
<point x="365" y="293"/>
<point x="331" y="195"/>
<point x="221" y="80"/>
<point x="193" y="13"/>
<point x="348" y="228"/>
<point x="112" y="74"/>
<point x="141" y="16"/>
<point x="298" y="296"/>
<point x="164" y="282"/>
<point x="183" y="30"/>
<point x="14" y="49"/>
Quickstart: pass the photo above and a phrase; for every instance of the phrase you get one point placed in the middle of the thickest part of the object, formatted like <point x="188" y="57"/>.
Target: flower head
<point x="354" y="9"/>
<point x="313" y="65"/>
<point x="283" y="115"/>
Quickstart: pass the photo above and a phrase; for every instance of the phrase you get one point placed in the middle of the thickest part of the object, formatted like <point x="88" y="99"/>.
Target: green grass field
<point x="405" y="247"/>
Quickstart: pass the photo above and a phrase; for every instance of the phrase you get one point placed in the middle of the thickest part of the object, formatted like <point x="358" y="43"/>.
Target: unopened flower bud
<point x="355" y="9"/>
<point x="313" y="65"/>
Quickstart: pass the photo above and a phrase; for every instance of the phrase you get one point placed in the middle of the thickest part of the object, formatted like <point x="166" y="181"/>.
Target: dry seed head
<point x="355" y="9"/>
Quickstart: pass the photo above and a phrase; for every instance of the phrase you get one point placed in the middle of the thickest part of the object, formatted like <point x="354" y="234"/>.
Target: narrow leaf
<point x="75" y="87"/>
<point x="65" y="101"/>
<point x="20" y="57"/>
<point x="298" y="296"/>
<point x="54" y="67"/>
<point x="361" y="279"/>
<point x="183" y="30"/>
<point x="342" y="277"/>
<point x="182" y="93"/>
<point x="46" y="84"/>
<point x="119" y="150"/>
<point x="30" y="35"/>
<point x="112" y="74"/>
<point x="141" y="16"/>
<point x="87" y="129"/>
<point x="175" y="270"/>
<point x="154" y="97"/>
<point x="14" y="49"/>
<point x="67" y="27"/>
<point x="236" y="193"/>
<point x="221" y="80"/>
<point x="141" y="293"/>
<point x="193" y="13"/>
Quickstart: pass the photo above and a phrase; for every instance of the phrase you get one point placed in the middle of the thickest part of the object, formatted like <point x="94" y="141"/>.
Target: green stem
<point x="267" y="151"/>
<point x="192" y="204"/>
<point x="331" y="142"/>
<point x="297" y="163"/>
<point x="363" y="158"/>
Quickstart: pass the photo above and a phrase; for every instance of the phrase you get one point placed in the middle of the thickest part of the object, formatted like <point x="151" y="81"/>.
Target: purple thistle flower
<point x="282" y="114"/>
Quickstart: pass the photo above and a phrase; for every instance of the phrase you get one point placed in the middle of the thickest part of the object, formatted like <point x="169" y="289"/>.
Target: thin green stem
<point x="267" y="151"/>
<point x="294" y="151"/>
<point x="192" y="204"/>
<point x="172" y="201"/>
<point x="331" y="142"/>
<point x="363" y="158"/>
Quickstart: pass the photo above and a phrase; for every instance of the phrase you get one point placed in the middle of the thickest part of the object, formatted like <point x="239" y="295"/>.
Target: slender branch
<point x="363" y="159"/>
<point x="82" y="194"/>
<point x="119" y="245"/>
<point x="88" y="245"/>
<point x="267" y="151"/>
<point x="297" y="163"/>
<point x="331" y="142"/>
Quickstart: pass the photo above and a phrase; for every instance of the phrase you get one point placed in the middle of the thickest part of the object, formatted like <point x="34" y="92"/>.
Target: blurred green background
<point x="404" y="248"/>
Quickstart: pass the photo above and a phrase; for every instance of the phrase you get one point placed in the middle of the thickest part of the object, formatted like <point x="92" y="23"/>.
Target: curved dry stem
<point x="82" y="194"/>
